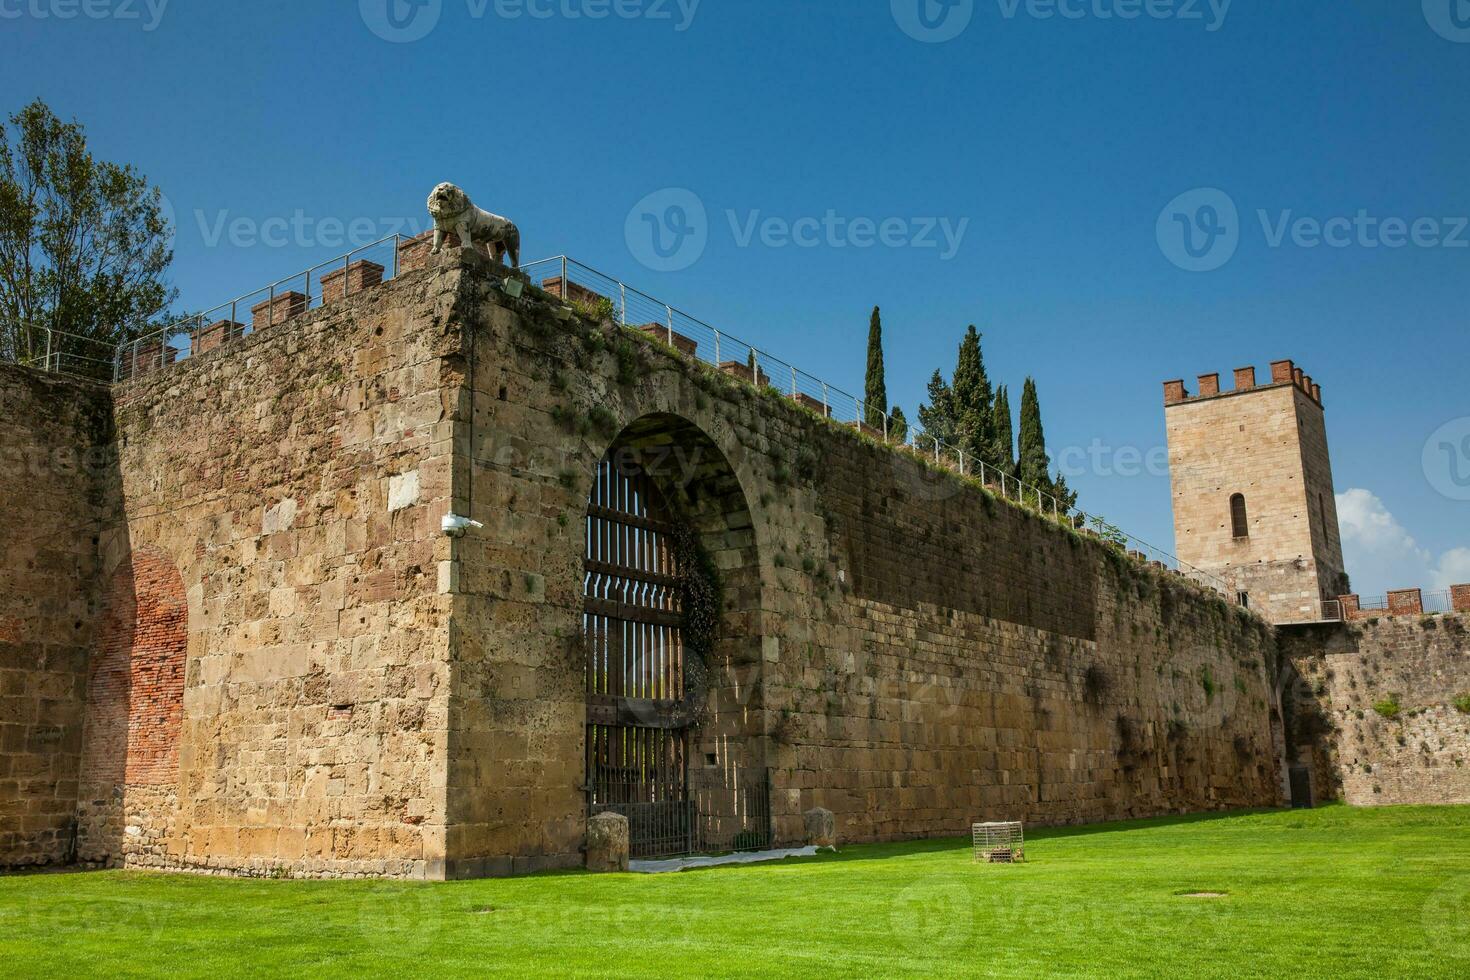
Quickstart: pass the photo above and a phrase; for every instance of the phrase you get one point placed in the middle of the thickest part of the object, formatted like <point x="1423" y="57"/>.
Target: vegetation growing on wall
<point x="596" y="330"/>
<point x="701" y="599"/>
<point x="1389" y="707"/>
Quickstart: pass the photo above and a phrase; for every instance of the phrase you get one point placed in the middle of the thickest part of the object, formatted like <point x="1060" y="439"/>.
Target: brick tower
<point x="1252" y="487"/>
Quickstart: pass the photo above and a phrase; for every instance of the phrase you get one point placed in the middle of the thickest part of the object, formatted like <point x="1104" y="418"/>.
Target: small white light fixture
<point x="512" y="287"/>
<point x="455" y="526"/>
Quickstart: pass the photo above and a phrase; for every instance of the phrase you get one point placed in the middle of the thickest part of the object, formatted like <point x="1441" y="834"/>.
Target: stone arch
<point x="135" y="709"/>
<point x="697" y="489"/>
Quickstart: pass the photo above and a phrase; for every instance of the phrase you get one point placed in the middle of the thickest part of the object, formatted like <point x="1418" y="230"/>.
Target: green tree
<point x="938" y="416"/>
<point x="1005" y="438"/>
<point x="898" y="427"/>
<point x="974" y="402"/>
<point x="876" y="389"/>
<point x="1034" y="465"/>
<point x="84" y="243"/>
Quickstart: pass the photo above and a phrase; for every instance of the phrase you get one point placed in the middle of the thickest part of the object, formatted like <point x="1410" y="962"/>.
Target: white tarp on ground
<point x="683" y="864"/>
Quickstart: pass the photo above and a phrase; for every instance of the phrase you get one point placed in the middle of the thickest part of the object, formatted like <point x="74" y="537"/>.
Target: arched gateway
<point x="673" y="721"/>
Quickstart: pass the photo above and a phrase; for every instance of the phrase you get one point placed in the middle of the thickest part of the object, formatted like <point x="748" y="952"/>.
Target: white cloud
<point x="1453" y="569"/>
<point x="1381" y="554"/>
<point x="1368" y="526"/>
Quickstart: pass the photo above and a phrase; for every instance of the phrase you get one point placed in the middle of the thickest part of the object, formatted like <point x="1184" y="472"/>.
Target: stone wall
<point x="287" y="487"/>
<point x="362" y="694"/>
<point x="905" y="650"/>
<point x="54" y="473"/>
<point x="1379" y="710"/>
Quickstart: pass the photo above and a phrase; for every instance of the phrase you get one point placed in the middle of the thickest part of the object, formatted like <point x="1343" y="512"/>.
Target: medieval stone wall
<point x="289" y="484"/>
<point x="1379" y="710"/>
<point x="363" y="695"/>
<point x="54" y="471"/>
<point x="906" y="650"/>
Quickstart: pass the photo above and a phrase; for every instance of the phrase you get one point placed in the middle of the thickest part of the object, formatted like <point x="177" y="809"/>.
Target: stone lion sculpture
<point x="452" y="210"/>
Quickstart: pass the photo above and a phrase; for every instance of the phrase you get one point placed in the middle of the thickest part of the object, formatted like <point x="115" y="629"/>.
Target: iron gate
<point x="637" y="721"/>
<point x="720" y="814"/>
<point x="638" y="718"/>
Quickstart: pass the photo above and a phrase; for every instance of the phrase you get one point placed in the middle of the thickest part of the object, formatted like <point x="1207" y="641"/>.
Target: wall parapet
<point x="1282" y="373"/>
<point x="1405" y="602"/>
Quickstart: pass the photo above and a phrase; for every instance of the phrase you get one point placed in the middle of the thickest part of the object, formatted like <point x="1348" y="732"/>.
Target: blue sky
<point x="1053" y="133"/>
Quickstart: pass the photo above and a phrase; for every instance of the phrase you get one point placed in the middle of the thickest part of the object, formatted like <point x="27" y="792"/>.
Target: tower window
<point x="1239" y="520"/>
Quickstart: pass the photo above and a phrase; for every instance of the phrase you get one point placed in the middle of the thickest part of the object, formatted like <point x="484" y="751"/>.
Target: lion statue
<point x="452" y="210"/>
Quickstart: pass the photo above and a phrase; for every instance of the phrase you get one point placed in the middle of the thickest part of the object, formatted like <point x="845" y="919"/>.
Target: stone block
<point x="742" y="370"/>
<point x="1406" y="602"/>
<point x="661" y="333"/>
<point x="283" y="307"/>
<point x="573" y="292"/>
<point x="217" y="333"/>
<point x="814" y="404"/>
<point x="607" y="843"/>
<point x="355" y="278"/>
<point x="821" y="827"/>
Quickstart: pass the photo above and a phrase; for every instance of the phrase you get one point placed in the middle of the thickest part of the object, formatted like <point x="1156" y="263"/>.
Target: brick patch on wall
<point x="135" y="696"/>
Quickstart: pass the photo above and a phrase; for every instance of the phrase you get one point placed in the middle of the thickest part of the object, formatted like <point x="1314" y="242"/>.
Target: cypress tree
<point x="974" y="402"/>
<point x="1004" y="434"/>
<point x="876" y="389"/>
<point x="1034" y="464"/>
<point x="898" y="427"/>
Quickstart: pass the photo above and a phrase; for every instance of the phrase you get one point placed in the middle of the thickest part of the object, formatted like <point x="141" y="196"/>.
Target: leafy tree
<point x="1005" y="439"/>
<point x="84" y="243"/>
<point x="1034" y="465"/>
<point x="898" y="427"/>
<point x="876" y="389"/>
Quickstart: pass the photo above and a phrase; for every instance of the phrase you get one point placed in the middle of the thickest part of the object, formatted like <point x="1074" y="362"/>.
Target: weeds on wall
<point x="1389" y="707"/>
<point x="701" y="598"/>
<point x="596" y="326"/>
<point x="1207" y="682"/>
<point x="1462" y="704"/>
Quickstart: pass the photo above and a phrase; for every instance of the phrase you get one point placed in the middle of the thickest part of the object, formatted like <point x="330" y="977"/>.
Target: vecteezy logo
<point x="936" y="912"/>
<point x="668" y="230"/>
<point x="933" y="21"/>
<point x="401" y="21"/>
<point x="1446" y="917"/>
<point x="1199" y="230"/>
<point x="1447" y="459"/>
<point x="1449" y="18"/>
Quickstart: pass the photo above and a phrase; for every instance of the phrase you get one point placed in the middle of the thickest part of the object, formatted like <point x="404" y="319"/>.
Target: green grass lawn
<point x="1329" y="892"/>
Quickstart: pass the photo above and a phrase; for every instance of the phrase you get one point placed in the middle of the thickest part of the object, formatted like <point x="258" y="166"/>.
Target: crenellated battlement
<point x="1282" y="373"/>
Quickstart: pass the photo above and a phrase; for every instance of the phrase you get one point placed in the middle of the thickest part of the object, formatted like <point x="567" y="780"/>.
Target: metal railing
<point x="582" y="285"/>
<point x="1433" y="602"/>
<point x="275" y="303"/>
<point x="59" y="352"/>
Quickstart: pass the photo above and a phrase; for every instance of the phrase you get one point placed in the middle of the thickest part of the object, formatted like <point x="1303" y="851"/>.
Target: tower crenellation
<point x="1282" y="373"/>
